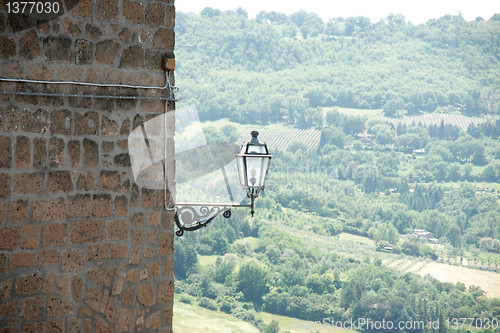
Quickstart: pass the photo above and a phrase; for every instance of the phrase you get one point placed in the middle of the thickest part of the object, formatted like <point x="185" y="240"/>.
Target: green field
<point x="293" y="325"/>
<point x="190" y="318"/>
<point x="356" y="238"/>
<point x="357" y="112"/>
<point x="244" y="129"/>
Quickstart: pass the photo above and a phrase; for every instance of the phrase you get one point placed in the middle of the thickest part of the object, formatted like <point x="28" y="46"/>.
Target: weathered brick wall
<point x="82" y="247"/>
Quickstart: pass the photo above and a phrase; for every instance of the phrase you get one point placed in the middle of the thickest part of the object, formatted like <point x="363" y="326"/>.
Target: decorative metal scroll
<point x="190" y="217"/>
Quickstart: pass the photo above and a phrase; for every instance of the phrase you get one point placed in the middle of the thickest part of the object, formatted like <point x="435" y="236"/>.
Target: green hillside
<point x="272" y="69"/>
<point x="383" y="198"/>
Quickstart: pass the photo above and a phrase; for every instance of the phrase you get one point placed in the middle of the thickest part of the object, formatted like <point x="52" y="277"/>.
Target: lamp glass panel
<point x="265" y="168"/>
<point x="256" y="149"/>
<point x="254" y="170"/>
<point x="241" y="168"/>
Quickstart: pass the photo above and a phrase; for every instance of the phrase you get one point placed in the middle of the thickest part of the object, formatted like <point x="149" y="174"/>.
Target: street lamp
<point x="253" y="164"/>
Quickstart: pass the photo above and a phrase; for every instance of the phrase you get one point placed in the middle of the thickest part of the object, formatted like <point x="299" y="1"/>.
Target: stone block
<point x="72" y="260"/>
<point x="86" y="124"/>
<point x="56" y="152"/>
<point x="29" y="46"/>
<point x="79" y="205"/>
<point x="22" y="149"/>
<point x="58" y="48"/>
<point x="109" y="181"/>
<point x="59" y="181"/>
<point x="101" y="205"/>
<point x="8" y="309"/>
<point x="133" y="57"/>
<point x="18" y="211"/>
<point x="30" y="308"/>
<point x="85" y="181"/>
<point x="92" y="31"/>
<point x="34" y="122"/>
<point x="39" y="153"/>
<point x="21" y="259"/>
<point x="164" y="39"/>
<point x="11" y="238"/>
<point x="155" y="14"/>
<point x="122" y="160"/>
<point x="138" y="237"/>
<point x="98" y="252"/>
<point x="74" y="152"/>
<point x="117" y="230"/>
<point x="166" y="243"/>
<point x="107" y="51"/>
<point x="153" y="218"/>
<point x="90" y="153"/>
<point x="5" y="152"/>
<point x="7" y="47"/>
<point x="27" y="285"/>
<point x="58" y="307"/>
<point x="70" y="27"/>
<point x="77" y="286"/>
<point x="87" y="231"/>
<point x="133" y="11"/>
<point x="120" y="206"/>
<point x="106" y="9"/>
<point x="29" y="183"/>
<point x="48" y="257"/>
<point x="153" y="321"/>
<point x="54" y="234"/>
<point x="31" y="237"/>
<point x="125" y="319"/>
<point x="148" y="198"/>
<point x="119" y="251"/>
<point x="5" y="184"/>
<point x="138" y="219"/>
<point x="129" y="297"/>
<point x="84" y="8"/>
<point x="109" y="127"/>
<point x="61" y="122"/>
<point x="49" y="210"/>
<point x="94" y="274"/>
<point x="145" y="294"/>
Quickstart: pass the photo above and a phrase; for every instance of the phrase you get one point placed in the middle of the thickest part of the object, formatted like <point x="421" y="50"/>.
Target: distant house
<point x="426" y="235"/>
<point x="366" y="139"/>
<point x="419" y="152"/>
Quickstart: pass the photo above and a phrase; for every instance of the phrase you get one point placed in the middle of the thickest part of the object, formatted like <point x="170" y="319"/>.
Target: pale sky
<point x="415" y="11"/>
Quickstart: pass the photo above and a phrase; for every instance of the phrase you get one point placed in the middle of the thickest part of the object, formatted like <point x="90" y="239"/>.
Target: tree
<point x="185" y="259"/>
<point x="394" y="108"/>
<point x="273" y="327"/>
<point x="251" y="281"/>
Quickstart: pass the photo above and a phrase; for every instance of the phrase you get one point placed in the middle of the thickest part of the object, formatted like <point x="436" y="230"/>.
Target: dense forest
<point x="368" y="177"/>
<point x="277" y="68"/>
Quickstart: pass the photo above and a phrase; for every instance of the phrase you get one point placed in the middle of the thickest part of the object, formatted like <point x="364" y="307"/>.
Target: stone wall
<point x="82" y="247"/>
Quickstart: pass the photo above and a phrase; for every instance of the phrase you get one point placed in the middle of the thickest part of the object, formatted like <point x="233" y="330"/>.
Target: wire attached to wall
<point x="172" y="89"/>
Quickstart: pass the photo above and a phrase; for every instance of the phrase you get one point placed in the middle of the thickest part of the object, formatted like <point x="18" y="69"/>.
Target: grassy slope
<point x="189" y="318"/>
<point x="300" y="326"/>
<point x="488" y="281"/>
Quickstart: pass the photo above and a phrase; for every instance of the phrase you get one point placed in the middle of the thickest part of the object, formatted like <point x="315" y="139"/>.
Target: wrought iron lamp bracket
<point x="188" y="218"/>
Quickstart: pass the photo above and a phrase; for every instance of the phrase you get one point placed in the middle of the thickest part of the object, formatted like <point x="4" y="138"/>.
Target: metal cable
<point x="114" y="85"/>
<point x="85" y="96"/>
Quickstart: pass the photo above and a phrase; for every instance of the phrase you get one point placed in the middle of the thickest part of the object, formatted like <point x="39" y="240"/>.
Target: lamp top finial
<point x="254" y="139"/>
